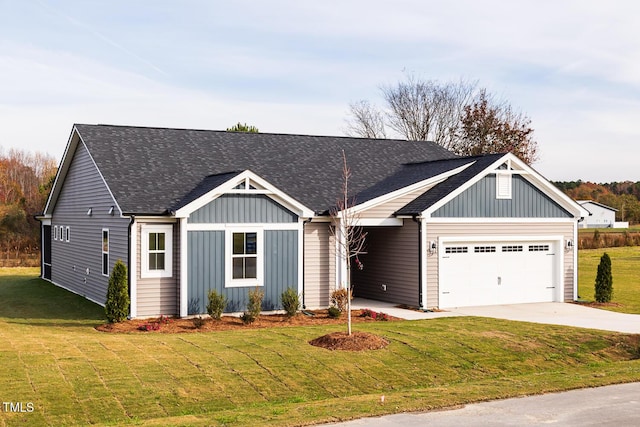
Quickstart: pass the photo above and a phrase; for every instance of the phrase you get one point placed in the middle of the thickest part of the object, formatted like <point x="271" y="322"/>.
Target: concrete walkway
<point x="553" y="313"/>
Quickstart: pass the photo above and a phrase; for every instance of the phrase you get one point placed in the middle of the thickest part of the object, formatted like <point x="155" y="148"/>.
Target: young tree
<point x="239" y="127"/>
<point x="604" y="280"/>
<point x="350" y="236"/>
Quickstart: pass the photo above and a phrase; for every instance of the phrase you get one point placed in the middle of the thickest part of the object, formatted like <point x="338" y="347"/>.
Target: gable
<point x="481" y="201"/>
<point x="242" y="208"/>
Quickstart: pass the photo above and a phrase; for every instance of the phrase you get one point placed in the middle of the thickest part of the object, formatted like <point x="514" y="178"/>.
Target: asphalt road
<point x="616" y="405"/>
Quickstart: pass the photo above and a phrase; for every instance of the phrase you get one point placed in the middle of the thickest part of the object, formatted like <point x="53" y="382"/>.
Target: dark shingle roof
<point x="152" y="170"/>
<point x="427" y="199"/>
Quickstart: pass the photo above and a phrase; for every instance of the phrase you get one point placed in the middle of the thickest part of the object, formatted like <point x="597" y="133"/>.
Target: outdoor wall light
<point x="432" y="246"/>
<point x="111" y="211"/>
<point x="90" y="212"/>
<point x="569" y="244"/>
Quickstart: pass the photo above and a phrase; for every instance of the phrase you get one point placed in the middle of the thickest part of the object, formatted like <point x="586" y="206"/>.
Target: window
<point x="67" y="234"/>
<point x="538" y="248"/>
<point x="512" y="248"/>
<point x="484" y="249"/>
<point x="456" y="250"/>
<point x="157" y="250"/>
<point x="105" y="251"/>
<point x="55" y="232"/>
<point x="244" y="258"/>
<point x="503" y="186"/>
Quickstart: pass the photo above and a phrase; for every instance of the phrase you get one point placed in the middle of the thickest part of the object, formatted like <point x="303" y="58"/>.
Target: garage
<point x="499" y="272"/>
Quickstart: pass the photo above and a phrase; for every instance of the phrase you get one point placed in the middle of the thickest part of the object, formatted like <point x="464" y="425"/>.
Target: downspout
<point x="305" y="222"/>
<point x="419" y="222"/>
<point x="131" y="221"/>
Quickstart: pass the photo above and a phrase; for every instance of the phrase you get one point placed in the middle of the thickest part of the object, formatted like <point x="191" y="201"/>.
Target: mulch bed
<point x="357" y="341"/>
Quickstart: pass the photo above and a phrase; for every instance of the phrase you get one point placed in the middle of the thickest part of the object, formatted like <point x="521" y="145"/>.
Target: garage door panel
<point x="487" y="273"/>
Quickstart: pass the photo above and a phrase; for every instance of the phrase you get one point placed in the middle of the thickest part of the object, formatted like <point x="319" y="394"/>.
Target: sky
<point x="291" y="66"/>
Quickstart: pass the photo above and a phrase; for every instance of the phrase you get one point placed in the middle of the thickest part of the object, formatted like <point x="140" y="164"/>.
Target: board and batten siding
<point x="387" y="209"/>
<point x="77" y="265"/>
<point x="207" y="270"/>
<point x="479" y="201"/>
<point x="242" y="208"/>
<point x="391" y="260"/>
<point x="157" y="296"/>
<point x="496" y="230"/>
<point x="319" y="264"/>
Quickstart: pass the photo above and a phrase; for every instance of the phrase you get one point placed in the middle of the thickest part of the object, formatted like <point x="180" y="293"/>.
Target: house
<point x="192" y="210"/>
<point x="600" y="216"/>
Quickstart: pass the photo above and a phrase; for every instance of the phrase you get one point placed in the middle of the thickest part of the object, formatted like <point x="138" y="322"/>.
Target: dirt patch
<point x="172" y="325"/>
<point x="598" y="304"/>
<point x="357" y="341"/>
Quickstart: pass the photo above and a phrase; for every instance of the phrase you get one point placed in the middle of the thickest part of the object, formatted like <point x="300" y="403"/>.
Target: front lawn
<point x="625" y="266"/>
<point x="52" y="356"/>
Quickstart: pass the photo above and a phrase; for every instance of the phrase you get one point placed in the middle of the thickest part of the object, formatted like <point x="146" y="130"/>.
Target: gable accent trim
<point x="229" y="187"/>
<point x="524" y="170"/>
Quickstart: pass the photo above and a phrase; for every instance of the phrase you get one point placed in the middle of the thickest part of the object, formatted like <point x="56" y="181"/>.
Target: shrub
<point x="290" y="302"/>
<point x="334" y="312"/>
<point x="339" y="299"/>
<point x="117" y="306"/>
<point x="604" y="280"/>
<point x="198" y="322"/>
<point x="253" y="307"/>
<point x="216" y="305"/>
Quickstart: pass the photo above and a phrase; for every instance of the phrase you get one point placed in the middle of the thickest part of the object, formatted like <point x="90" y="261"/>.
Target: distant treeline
<point x="623" y="196"/>
<point x="25" y="181"/>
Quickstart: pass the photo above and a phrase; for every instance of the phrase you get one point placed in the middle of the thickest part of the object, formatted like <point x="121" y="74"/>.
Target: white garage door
<point x="488" y="273"/>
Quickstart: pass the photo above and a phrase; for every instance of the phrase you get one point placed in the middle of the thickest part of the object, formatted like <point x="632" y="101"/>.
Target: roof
<point x="584" y="202"/>
<point x="156" y="170"/>
<point x="441" y="190"/>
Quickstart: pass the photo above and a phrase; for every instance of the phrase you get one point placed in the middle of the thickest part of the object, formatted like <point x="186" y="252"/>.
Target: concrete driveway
<point x="553" y="313"/>
<point x="558" y="313"/>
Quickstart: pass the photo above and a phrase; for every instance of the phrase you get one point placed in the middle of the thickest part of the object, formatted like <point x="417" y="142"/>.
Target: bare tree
<point x="452" y="114"/>
<point x="367" y="122"/>
<point x="349" y="235"/>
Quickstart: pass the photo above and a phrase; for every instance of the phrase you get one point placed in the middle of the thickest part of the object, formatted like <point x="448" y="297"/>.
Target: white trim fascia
<point x="184" y="273"/>
<point x="575" y="262"/>
<point x="133" y="268"/>
<point x="104" y="181"/>
<point x="228" y="187"/>
<point x="354" y="210"/>
<point x="156" y="219"/>
<point x="378" y="222"/>
<point x="45" y="220"/>
<point x="293" y="226"/>
<point x="63" y="169"/>
<point x="500" y="219"/>
<point x="534" y="177"/>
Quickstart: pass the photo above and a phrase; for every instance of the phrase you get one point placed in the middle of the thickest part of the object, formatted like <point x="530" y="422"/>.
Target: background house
<point x="600" y="216"/>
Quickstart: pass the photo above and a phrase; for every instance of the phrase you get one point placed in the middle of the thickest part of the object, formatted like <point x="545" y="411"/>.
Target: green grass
<point x="51" y="355"/>
<point x="625" y="265"/>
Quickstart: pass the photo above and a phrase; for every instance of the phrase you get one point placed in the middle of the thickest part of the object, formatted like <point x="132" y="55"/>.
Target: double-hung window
<point x="244" y="260"/>
<point x="157" y="253"/>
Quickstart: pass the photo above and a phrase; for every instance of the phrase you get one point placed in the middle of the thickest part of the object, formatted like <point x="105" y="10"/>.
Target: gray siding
<point x="160" y="295"/>
<point x="77" y="264"/>
<point x="206" y="269"/>
<point x="392" y="260"/>
<point x="319" y="264"/>
<point x="480" y="201"/>
<point x="241" y="208"/>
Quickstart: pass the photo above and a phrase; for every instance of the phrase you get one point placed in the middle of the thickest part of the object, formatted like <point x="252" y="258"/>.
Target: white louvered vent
<point x="503" y="185"/>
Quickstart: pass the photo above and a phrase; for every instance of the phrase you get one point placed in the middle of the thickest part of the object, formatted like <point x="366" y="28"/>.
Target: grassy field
<point x="625" y="266"/>
<point x="51" y="356"/>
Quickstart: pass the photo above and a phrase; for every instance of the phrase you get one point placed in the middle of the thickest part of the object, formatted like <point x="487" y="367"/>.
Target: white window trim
<point x="230" y="282"/>
<point x="67" y="233"/>
<point x="504" y="185"/>
<point x="167" y="229"/>
<point x="103" y="252"/>
<point x="55" y="232"/>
